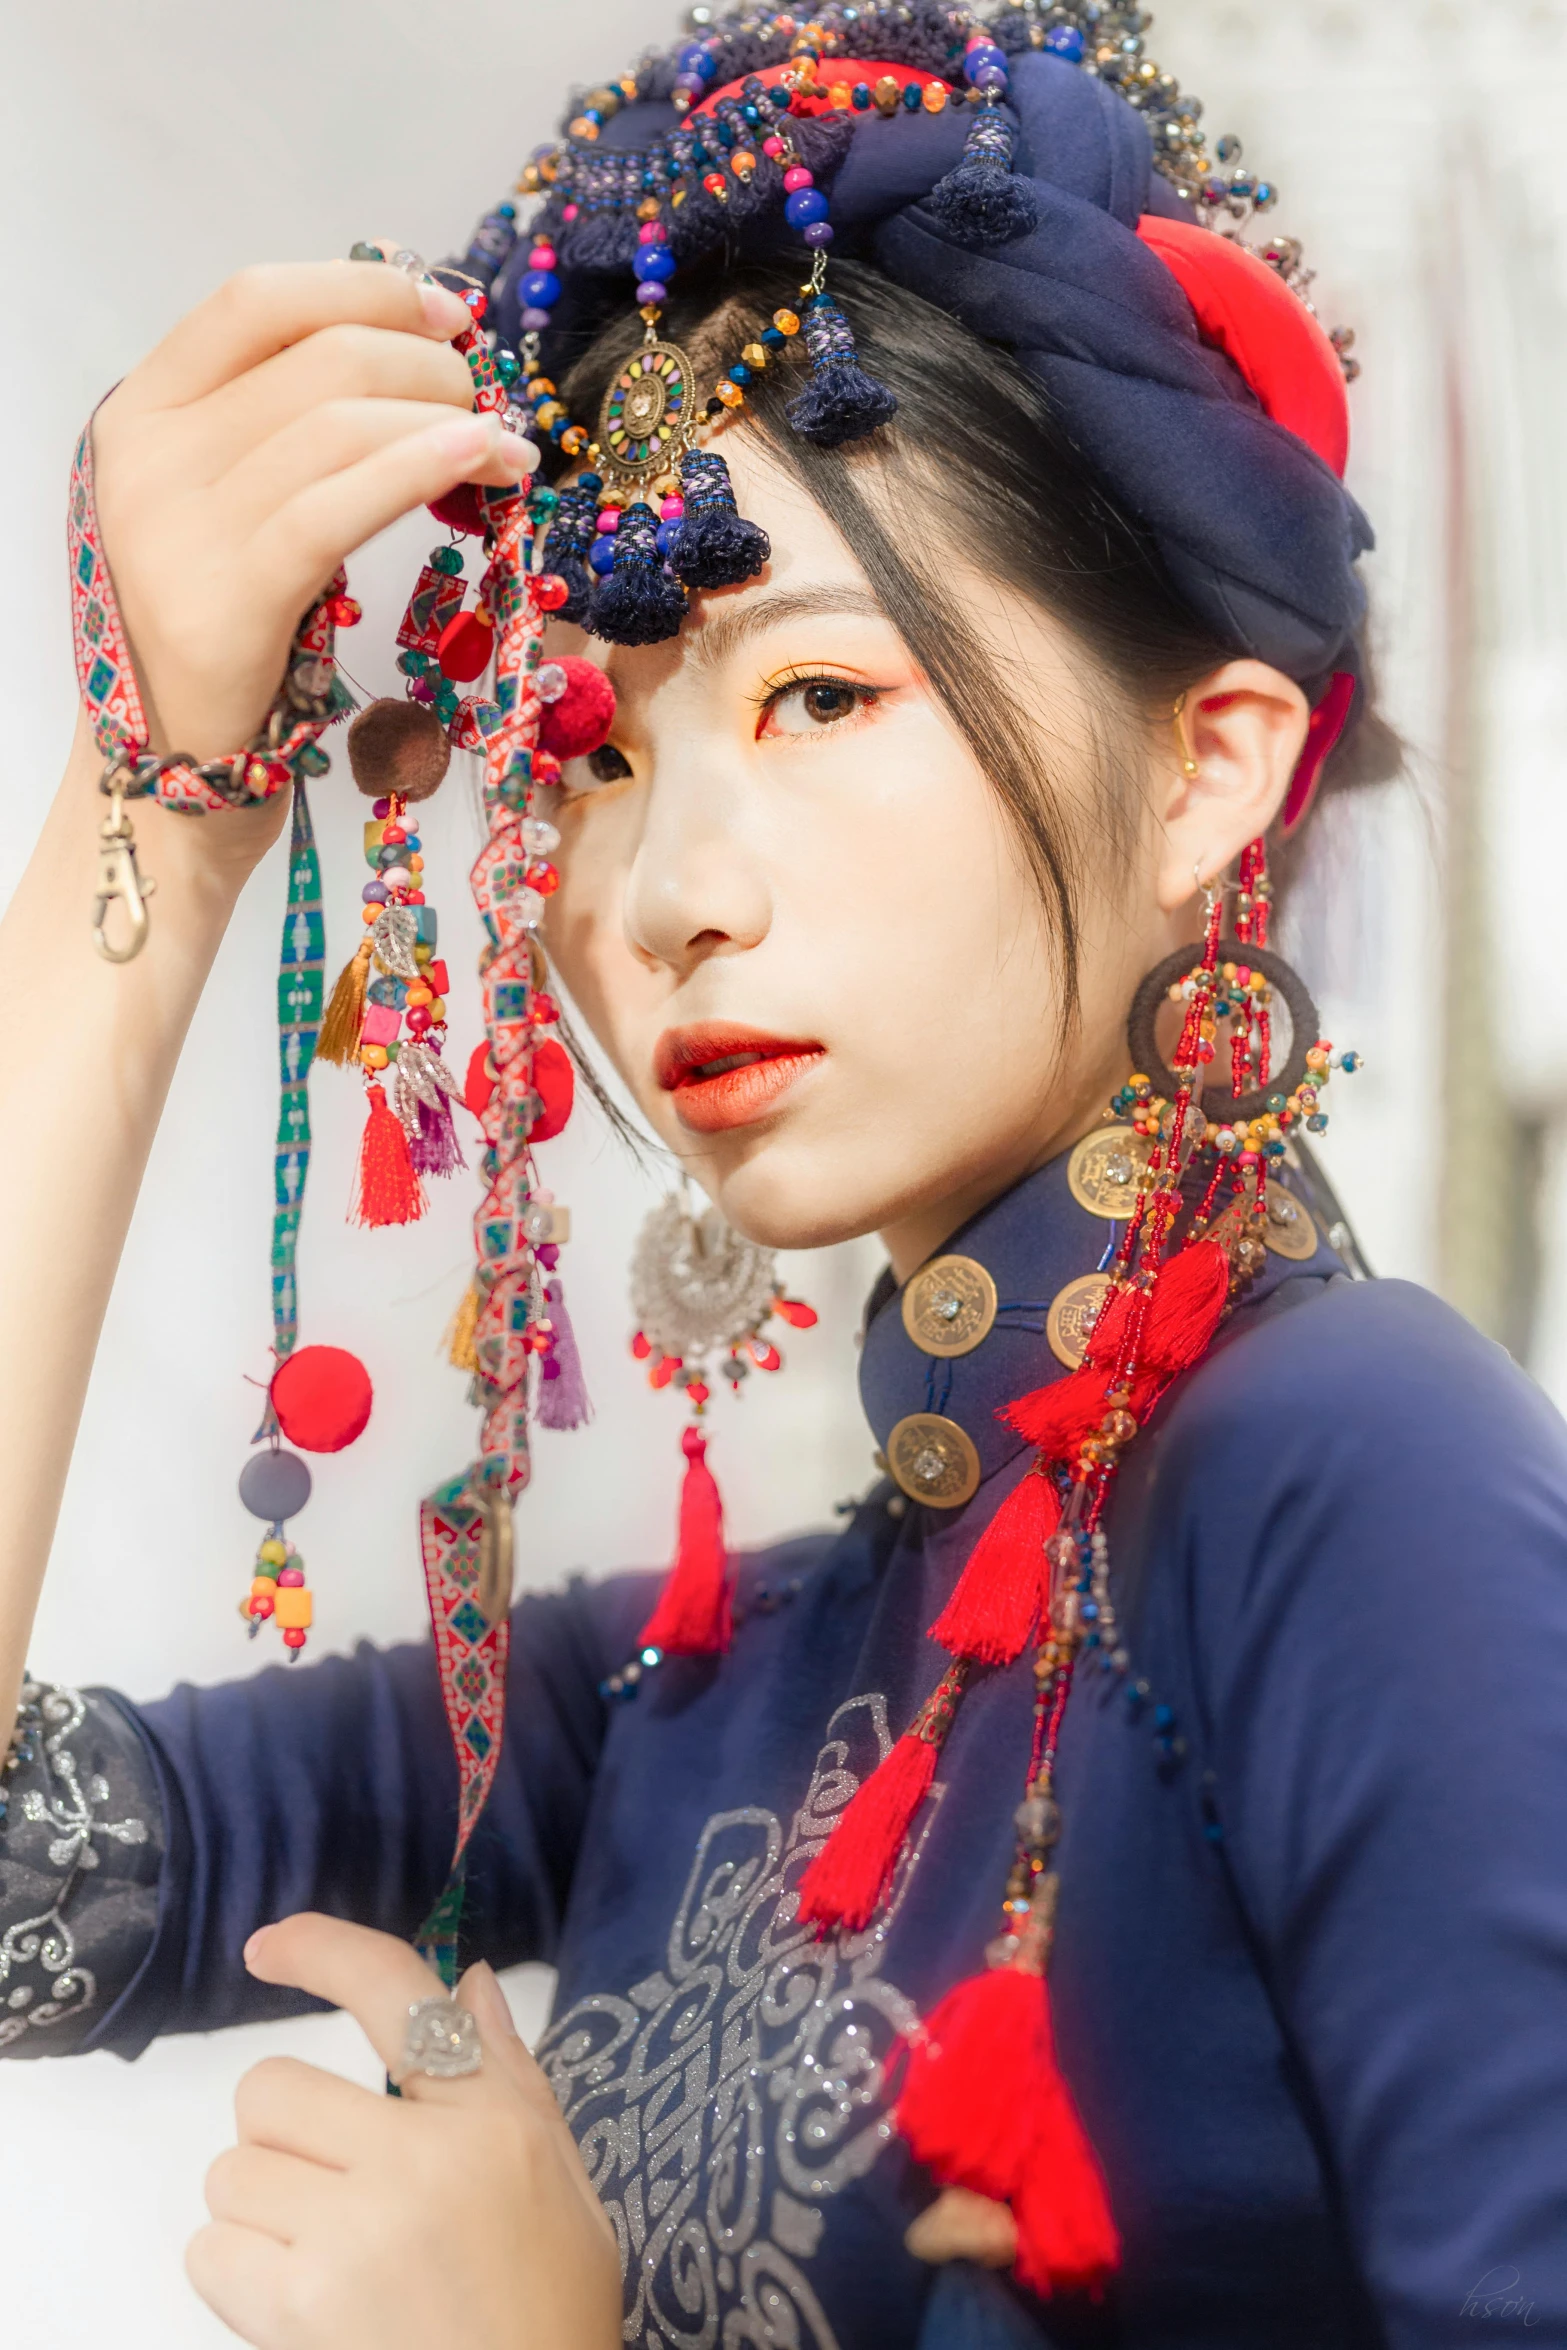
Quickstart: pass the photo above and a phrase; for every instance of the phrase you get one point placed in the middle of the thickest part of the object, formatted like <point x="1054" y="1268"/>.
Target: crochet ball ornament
<point x="398" y="747"/>
<point x="322" y="1397"/>
<point x="580" y="719"/>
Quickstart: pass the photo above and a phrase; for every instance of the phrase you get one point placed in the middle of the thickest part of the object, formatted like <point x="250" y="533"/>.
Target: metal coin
<point x="949" y="1306"/>
<point x="1288" y="1228"/>
<point x="1104" y="1169"/>
<point x="1072" y="1318"/>
<point x="933" y="1460"/>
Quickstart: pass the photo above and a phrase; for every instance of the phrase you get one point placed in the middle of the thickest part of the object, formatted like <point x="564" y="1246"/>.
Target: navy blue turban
<point x="1257" y="532"/>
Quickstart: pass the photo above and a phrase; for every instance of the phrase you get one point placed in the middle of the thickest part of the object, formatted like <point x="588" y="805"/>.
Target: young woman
<point x="1203" y="1644"/>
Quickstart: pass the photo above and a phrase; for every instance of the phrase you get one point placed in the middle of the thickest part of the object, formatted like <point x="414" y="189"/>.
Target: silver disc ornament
<point x="696" y="1285"/>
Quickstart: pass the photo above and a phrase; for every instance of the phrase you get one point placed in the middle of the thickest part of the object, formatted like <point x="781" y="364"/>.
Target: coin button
<point x="949" y="1306"/>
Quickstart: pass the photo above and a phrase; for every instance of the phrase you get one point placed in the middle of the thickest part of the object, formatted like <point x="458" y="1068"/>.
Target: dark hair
<point x="981" y="466"/>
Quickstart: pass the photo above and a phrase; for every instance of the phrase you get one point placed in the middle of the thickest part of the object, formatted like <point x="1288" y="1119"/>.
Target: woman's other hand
<point x="286" y="420"/>
<point x="459" y="2212"/>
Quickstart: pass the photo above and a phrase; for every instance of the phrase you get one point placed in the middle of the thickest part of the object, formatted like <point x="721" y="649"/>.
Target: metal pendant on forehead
<point x="695" y="1284"/>
<point x="649" y="410"/>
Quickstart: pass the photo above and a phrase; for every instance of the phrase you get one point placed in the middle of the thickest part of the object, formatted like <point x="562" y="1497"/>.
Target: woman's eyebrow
<point x="723" y="632"/>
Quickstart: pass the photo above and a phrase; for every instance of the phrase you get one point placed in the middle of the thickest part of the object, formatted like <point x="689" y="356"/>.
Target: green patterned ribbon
<point x="300" y="981"/>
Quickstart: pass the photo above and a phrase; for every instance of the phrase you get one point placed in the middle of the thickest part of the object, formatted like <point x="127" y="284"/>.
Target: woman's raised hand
<point x="292" y="415"/>
<point x="458" y="2213"/>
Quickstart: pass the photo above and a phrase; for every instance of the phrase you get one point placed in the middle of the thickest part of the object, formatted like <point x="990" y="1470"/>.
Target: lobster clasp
<point x="119" y="877"/>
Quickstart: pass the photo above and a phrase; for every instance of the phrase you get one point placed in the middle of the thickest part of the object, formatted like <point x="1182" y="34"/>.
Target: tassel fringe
<point x="848" y="1880"/>
<point x="462" y="1330"/>
<point x="984" y="2107"/>
<point x="841" y="402"/>
<point x="1004" y="1589"/>
<point x="694" y="1615"/>
<point x="980" y="202"/>
<point x="562" y="1401"/>
<point x="714" y="546"/>
<point x="641" y="602"/>
<point x="338" y="1041"/>
<point x="388" y="1191"/>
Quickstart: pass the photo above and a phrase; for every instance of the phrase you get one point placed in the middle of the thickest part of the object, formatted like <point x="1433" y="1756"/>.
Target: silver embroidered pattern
<point x="42" y="1946"/>
<point x="727" y="2096"/>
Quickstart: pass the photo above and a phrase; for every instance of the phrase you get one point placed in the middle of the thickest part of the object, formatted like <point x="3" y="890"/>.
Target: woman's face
<point x="797" y="920"/>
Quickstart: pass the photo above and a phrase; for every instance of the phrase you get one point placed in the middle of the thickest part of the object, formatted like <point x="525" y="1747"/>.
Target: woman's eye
<point x="607" y="765"/>
<point x="814" y="703"/>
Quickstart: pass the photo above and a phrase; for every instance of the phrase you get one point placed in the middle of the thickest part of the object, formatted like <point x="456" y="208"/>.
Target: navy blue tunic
<point x="1311" y="1964"/>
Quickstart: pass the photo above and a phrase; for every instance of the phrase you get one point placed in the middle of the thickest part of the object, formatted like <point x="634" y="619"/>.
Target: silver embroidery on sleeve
<point x="726" y="2098"/>
<point x="41" y="1982"/>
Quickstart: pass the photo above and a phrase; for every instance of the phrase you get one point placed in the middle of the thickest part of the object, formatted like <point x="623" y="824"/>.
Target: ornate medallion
<point x="1288" y="1228"/>
<point x="933" y="1460"/>
<point x="949" y="1306"/>
<point x="1103" y="1171"/>
<point x="1072" y="1318"/>
<point x="648" y="410"/>
<point x="696" y="1285"/>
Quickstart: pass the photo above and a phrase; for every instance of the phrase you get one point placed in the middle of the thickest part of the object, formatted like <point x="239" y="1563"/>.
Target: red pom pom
<point x="464" y="647"/>
<point x="551" y="591"/>
<point x="580" y="721"/>
<point x="322" y="1397"/>
<point x="460" y="510"/>
<point x="555" y="1083"/>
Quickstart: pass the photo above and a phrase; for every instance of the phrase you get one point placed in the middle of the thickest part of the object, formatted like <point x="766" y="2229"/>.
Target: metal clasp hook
<point x="119" y="877"/>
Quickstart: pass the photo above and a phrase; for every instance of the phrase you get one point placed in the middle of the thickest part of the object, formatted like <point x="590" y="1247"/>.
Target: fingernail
<point x="443" y="310"/>
<point x="493" y="1999"/>
<point x="465" y="437"/>
<point x="253" y="1946"/>
<point x="521" y="455"/>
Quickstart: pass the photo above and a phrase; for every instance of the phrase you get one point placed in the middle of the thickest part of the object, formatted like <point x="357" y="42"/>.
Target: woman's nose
<point x="698" y="885"/>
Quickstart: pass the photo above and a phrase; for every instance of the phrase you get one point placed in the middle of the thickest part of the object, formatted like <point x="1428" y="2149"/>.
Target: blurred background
<point x="149" y="151"/>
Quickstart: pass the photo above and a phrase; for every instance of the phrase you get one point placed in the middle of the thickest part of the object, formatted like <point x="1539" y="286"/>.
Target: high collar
<point x="1032" y="1241"/>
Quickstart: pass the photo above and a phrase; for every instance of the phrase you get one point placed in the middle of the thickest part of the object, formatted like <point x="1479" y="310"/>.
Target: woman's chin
<point x="784" y="1192"/>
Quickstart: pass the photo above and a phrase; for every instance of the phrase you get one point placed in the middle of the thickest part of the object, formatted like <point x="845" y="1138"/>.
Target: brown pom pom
<point x="398" y="747"/>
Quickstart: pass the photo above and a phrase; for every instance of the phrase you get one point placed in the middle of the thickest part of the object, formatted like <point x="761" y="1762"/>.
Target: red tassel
<point x="975" y="2078"/>
<point x="389" y="1192"/>
<point x="1057" y="1418"/>
<point x="1184" y="1311"/>
<point x="984" y="2106"/>
<point x="1188" y="1306"/>
<point x="694" y="1612"/>
<point x="847" y="1880"/>
<point x="992" y="1614"/>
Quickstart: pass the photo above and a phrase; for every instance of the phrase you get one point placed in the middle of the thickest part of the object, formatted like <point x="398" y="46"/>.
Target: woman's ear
<point x="1222" y="766"/>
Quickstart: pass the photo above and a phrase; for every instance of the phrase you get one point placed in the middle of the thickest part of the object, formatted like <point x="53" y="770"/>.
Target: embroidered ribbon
<point x="300" y="980"/>
<point x="311" y="697"/>
<point x="471" y="1657"/>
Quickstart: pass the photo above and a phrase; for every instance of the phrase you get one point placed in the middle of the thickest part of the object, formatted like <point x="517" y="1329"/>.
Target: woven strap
<point x="311" y="697"/>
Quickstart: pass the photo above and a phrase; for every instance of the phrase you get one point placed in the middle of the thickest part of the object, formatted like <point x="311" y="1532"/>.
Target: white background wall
<point x="148" y="147"/>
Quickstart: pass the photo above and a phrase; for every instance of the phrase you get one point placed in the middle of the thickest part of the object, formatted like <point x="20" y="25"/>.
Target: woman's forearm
<point x="87" y="1073"/>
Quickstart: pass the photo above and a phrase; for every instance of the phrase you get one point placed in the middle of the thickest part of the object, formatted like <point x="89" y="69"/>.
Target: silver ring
<point x="440" y="2039"/>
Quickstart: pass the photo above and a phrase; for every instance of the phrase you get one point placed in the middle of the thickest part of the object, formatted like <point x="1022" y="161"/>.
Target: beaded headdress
<point x="1038" y="176"/>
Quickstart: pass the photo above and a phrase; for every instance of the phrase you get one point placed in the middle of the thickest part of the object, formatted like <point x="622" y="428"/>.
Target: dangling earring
<point x="699" y="1292"/>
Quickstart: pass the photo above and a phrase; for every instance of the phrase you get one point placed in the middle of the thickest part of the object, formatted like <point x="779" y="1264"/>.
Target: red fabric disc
<point x="555" y="1083"/>
<point x="1247" y="311"/>
<point x="580" y="721"/>
<point x="464" y="648"/>
<point x="479" y="1084"/>
<point x="322" y="1397"/>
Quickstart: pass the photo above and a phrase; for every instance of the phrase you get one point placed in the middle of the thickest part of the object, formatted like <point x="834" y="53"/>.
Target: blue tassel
<point x="713" y="546"/>
<point x="979" y="202"/>
<point x="841" y="402"/>
<point x="565" y="550"/>
<point x="640" y="602"/>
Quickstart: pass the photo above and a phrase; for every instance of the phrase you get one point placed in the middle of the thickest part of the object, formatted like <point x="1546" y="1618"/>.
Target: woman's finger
<point x="244" y="2278"/>
<point x="279" y="2195"/>
<point x="310" y="450"/>
<point x="504" y="2047"/>
<point x="263" y="310"/>
<point x="298" y="2109"/>
<point x="301" y="545"/>
<point x="351" y="362"/>
<point x="377" y="1979"/>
